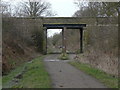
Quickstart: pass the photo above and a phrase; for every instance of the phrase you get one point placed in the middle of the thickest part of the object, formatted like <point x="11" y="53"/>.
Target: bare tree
<point x="5" y="9"/>
<point x="110" y="8"/>
<point x="97" y="9"/>
<point x="34" y="9"/>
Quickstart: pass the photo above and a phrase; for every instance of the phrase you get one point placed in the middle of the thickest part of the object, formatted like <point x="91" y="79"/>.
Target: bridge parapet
<point x="78" y="20"/>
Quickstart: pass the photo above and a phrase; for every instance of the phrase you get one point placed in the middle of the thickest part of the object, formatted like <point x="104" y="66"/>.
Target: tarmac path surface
<point x="64" y="75"/>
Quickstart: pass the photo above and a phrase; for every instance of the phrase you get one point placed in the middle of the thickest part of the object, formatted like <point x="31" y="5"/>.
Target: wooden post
<point x="81" y="40"/>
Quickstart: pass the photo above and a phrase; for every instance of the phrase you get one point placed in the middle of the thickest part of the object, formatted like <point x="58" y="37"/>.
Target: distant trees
<point x="34" y="9"/>
<point x="26" y="9"/>
<point x="56" y="38"/>
<point x="97" y="9"/>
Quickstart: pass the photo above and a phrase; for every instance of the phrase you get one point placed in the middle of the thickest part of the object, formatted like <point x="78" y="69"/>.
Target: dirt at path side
<point x="64" y="75"/>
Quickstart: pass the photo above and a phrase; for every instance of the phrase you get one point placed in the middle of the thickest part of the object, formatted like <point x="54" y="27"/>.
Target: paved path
<point x="64" y="75"/>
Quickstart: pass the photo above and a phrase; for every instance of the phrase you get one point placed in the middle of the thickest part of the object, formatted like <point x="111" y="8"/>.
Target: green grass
<point x="0" y="82"/>
<point x="108" y="80"/>
<point x="35" y="76"/>
<point x="10" y="76"/>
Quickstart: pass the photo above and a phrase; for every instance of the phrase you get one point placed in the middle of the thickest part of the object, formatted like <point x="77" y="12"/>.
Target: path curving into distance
<point x="64" y="75"/>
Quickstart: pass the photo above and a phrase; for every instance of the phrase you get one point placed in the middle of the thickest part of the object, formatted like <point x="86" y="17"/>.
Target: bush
<point x="37" y="37"/>
<point x="64" y="56"/>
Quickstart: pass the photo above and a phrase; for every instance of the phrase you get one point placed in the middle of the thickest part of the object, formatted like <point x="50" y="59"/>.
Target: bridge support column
<point x="63" y="40"/>
<point x="45" y="41"/>
<point x="81" y="40"/>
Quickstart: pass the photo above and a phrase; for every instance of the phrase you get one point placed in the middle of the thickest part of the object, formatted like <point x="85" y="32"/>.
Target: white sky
<point x="63" y="8"/>
<point x="51" y="32"/>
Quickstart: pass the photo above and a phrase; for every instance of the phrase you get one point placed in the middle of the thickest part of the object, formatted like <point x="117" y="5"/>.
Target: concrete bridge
<point x="26" y="25"/>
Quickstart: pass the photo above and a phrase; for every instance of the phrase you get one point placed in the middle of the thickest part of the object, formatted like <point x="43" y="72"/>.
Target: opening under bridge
<point x="64" y="27"/>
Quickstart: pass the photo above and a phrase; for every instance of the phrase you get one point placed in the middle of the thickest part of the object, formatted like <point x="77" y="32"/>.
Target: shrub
<point x="37" y="37"/>
<point x="64" y="56"/>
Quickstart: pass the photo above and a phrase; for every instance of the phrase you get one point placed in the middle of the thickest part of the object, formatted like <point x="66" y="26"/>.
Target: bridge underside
<point x="64" y="27"/>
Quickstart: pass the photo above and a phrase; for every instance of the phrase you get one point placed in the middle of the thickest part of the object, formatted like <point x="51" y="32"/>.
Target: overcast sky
<point x="63" y="8"/>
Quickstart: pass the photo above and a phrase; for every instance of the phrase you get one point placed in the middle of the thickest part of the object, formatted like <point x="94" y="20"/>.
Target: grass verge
<point x="12" y="74"/>
<point x="108" y="80"/>
<point x="35" y="75"/>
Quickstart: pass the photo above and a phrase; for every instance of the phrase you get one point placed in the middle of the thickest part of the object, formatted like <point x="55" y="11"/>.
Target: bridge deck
<point x="61" y="26"/>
